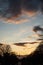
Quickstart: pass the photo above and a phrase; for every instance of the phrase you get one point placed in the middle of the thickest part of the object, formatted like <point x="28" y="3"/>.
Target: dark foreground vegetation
<point x="36" y="58"/>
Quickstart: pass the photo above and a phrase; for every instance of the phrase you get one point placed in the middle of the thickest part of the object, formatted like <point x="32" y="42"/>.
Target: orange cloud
<point x="10" y="10"/>
<point x="30" y="13"/>
<point x="24" y="17"/>
<point x="16" y="21"/>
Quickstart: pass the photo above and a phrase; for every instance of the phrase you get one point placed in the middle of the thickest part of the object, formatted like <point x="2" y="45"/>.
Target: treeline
<point x="8" y="59"/>
<point x="36" y="58"/>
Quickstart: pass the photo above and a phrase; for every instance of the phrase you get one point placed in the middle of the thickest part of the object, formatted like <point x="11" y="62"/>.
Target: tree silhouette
<point x="36" y="58"/>
<point x="6" y="57"/>
<point x="4" y="49"/>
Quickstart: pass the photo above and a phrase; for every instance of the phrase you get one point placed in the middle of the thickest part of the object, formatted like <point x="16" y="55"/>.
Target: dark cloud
<point x="20" y="44"/>
<point x="12" y="8"/>
<point x="37" y="28"/>
<point x="9" y="8"/>
<point x="15" y="7"/>
<point x="31" y="5"/>
<point x="39" y="32"/>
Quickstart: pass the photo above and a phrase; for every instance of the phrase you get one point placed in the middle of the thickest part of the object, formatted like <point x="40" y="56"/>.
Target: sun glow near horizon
<point x="27" y="49"/>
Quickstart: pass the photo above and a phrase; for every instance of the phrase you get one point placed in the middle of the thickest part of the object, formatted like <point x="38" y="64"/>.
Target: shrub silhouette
<point x="1" y="60"/>
<point x="9" y="59"/>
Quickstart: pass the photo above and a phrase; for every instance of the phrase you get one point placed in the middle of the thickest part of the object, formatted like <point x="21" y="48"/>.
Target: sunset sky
<point x="20" y="32"/>
<point x="17" y="22"/>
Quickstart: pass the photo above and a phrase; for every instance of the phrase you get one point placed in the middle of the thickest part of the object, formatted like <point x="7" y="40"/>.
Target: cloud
<point x="10" y="9"/>
<point x="39" y="32"/>
<point x="19" y="50"/>
<point x="33" y="36"/>
<point x="37" y="28"/>
<point x="19" y="20"/>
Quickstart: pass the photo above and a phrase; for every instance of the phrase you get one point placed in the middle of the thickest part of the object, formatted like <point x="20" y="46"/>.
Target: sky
<point x="21" y="32"/>
<point x="16" y="24"/>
